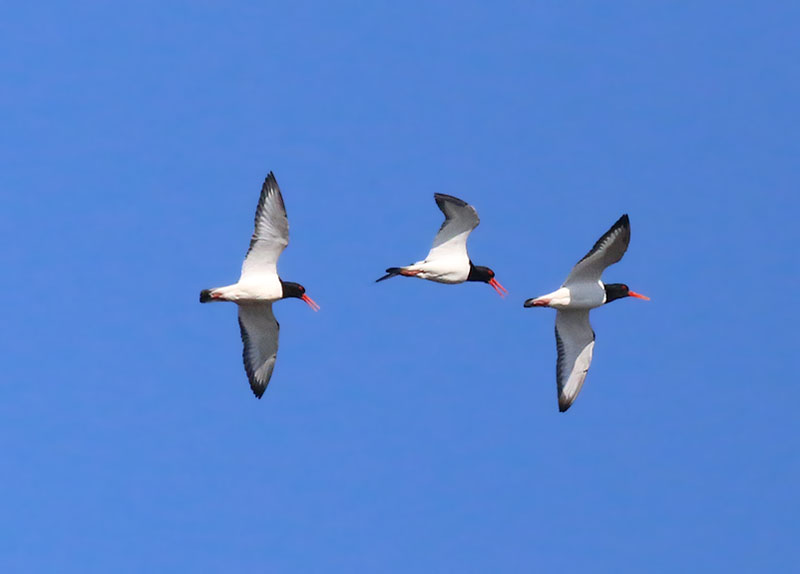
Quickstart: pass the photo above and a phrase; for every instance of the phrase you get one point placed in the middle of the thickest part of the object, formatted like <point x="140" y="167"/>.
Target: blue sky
<point x="409" y="427"/>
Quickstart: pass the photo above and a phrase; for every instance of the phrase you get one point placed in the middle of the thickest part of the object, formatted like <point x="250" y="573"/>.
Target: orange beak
<point x="310" y="302"/>
<point x="638" y="295"/>
<point x="497" y="287"/>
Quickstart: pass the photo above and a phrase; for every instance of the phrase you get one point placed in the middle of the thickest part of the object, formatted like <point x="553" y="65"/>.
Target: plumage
<point x="270" y="234"/>
<point x="259" y="330"/>
<point x="448" y="260"/>
<point x="575" y="343"/>
<point x="582" y="291"/>
<point x="451" y="239"/>
<point x="259" y="286"/>
<point x="606" y="251"/>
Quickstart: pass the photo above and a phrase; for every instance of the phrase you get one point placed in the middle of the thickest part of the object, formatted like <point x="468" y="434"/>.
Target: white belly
<point x="449" y="270"/>
<point x="263" y="288"/>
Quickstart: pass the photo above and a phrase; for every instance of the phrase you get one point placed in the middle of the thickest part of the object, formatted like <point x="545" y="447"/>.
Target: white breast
<point x="258" y="288"/>
<point x="451" y="269"/>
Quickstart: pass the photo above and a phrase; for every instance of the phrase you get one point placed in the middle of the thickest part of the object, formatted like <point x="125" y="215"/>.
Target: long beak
<point x="497" y="287"/>
<point x="310" y="302"/>
<point x="638" y="295"/>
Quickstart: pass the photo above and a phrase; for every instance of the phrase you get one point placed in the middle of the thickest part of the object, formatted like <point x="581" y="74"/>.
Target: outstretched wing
<point x="460" y="219"/>
<point x="575" y="343"/>
<point x="271" y="234"/>
<point x="260" y="338"/>
<point x="606" y="251"/>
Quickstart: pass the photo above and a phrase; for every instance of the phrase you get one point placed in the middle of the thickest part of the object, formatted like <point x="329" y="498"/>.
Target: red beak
<point x="497" y="287"/>
<point x="638" y="295"/>
<point x="310" y="302"/>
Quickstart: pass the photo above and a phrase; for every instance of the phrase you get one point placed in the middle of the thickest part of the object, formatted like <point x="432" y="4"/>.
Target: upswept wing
<point x="271" y="234"/>
<point x="575" y="344"/>
<point x="460" y="219"/>
<point x="608" y="250"/>
<point x="260" y="338"/>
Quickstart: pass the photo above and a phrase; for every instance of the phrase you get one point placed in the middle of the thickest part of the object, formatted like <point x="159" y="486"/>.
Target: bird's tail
<point x="391" y="272"/>
<point x="205" y="296"/>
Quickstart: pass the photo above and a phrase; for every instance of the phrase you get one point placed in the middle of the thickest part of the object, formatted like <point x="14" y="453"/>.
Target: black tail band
<point x="391" y="272"/>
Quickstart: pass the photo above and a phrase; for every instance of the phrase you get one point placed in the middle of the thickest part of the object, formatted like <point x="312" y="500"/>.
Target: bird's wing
<point x="460" y="219"/>
<point x="271" y="234"/>
<point x="575" y="343"/>
<point x="608" y="250"/>
<point x="260" y="338"/>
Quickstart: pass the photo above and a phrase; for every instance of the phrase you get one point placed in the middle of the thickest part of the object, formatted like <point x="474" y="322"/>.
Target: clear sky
<point x="409" y="426"/>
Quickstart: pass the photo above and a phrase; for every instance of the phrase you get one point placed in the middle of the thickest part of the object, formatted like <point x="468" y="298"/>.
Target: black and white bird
<point x="448" y="261"/>
<point x="582" y="291"/>
<point x="259" y="286"/>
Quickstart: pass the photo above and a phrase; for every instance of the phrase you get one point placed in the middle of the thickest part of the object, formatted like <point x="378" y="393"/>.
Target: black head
<point x="619" y="290"/>
<point x="292" y="289"/>
<point x="479" y="273"/>
<point x="299" y="292"/>
<point x="485" y="275"/>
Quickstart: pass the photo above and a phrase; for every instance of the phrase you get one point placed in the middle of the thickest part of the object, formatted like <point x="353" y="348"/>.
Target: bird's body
<point x="449" y="270"/>
<point x="259" y="286"/>
<point x="246" y="290"/>
<point x="448" y="261"/>
<point x="583" y="296"/>
<point x="582" y="291"/>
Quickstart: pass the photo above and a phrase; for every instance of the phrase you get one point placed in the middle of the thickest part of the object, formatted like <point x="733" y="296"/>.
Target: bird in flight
<point x="259" y="286"/>
<point x="582" y="291"/>
<point x="448" y="261"/>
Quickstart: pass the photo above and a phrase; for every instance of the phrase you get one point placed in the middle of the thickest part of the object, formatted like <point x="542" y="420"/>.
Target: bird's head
<point x="485" y="275"/>
<point x="297" y="291"/>
<point x="620" y="290"/>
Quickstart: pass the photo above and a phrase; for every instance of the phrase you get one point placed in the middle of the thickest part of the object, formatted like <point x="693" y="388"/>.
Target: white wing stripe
<point x="575" y="344"/>
<point x="260" y="332"/>
<point x="271" y="232"/>
<point x="606" y="251"/>
<point x="460" y="219"/>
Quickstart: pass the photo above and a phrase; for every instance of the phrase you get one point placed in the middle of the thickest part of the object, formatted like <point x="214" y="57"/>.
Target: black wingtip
<point x="258" y="391"/>
<point x="564" y="404"/>
<point x="205" y="295"/>
<point x="444" y="197"/>
<point x="624" y="222"/>
<point x="269" y="187"/>
<point x="269" y="182"/>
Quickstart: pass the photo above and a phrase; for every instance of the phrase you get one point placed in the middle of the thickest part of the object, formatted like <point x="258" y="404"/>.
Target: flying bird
<point x="584" y="290"/>
<point x="448" y="261"/>
<point x="259" y="286"/>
